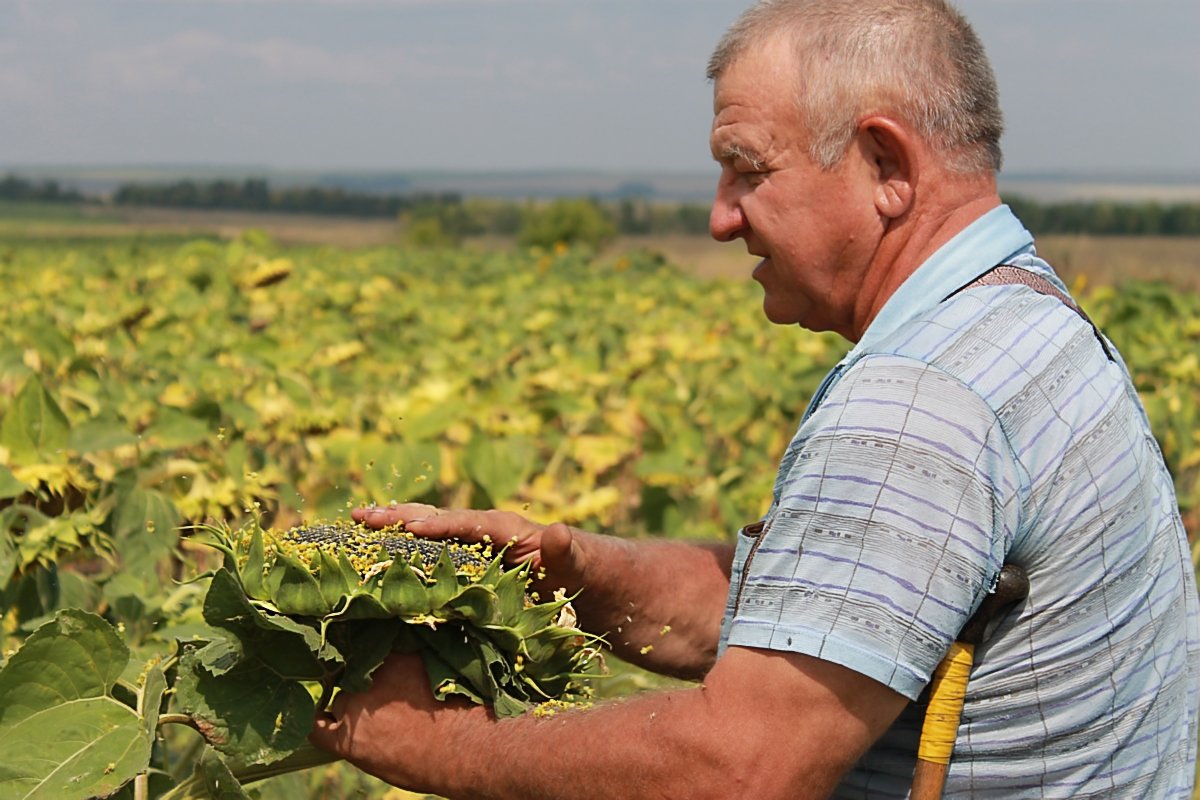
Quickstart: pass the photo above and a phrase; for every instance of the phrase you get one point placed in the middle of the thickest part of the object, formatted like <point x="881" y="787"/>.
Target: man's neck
<point x="913" y="238"/>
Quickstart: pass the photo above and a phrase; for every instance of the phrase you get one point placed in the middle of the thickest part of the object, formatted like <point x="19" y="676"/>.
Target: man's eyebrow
<point x="734" y="152"/>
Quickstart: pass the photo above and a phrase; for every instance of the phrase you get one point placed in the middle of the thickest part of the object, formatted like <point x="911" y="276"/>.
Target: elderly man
<point x="976" y="422"/>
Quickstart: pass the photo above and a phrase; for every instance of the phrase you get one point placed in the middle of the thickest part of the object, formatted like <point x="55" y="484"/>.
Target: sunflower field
<point x="152" y="390"/>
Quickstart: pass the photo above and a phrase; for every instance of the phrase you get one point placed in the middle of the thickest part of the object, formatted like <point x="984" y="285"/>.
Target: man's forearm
<point x="658" y="603"/>
<point x="764" y="725"/>
<point x="653" y="746"/>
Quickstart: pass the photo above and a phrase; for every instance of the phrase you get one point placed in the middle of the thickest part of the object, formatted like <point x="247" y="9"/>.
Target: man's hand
<point x="389" y="729"/>
<point x="552" y="549"/>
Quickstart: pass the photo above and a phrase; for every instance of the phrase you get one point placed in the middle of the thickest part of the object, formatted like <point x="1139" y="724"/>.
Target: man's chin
<point x="780" y="316"/>
<point x="794" y="314"/>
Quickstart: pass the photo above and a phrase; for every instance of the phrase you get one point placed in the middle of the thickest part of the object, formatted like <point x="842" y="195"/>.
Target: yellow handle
<point x="948" y="690"/>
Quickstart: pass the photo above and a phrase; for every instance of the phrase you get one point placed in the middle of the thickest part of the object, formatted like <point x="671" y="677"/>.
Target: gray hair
<point x="917" y="59"/>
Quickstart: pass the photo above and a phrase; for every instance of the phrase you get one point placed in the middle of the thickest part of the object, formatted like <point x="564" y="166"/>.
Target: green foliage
<point x="1108" y="218"/>
<point x="247" y="711"/>
<point x="35" y="429"/>
<point x="255" y="194"/>
<point x="1158" y="332"/>
<point x="189" y="395"/>
<point x="62" y="731"/>
<point x="428" y="233"/>
<point x="566" y="222"/>
<point x="452" y="222"/>
<point x="499" y="466"/>
<point x="151" y="387"/>
<point x="14" y="188"/>
<point x="211" y="779"/>
<point x="614" y="394"/>
<point x="289" y="615"/>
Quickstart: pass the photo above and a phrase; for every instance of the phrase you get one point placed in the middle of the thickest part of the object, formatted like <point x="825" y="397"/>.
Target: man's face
<point x="814" y="229"/>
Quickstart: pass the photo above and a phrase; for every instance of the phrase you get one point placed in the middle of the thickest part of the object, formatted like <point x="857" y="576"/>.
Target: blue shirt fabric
<point x="958" y="435"/>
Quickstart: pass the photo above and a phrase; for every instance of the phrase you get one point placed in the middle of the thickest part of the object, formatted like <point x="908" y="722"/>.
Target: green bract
<point x="323" y="606"/>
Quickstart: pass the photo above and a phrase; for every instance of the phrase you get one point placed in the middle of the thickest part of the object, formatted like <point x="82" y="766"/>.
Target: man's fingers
<point x="508" y="529"/>
<point x="438" y="523"/>
<point x="383" y="516"/>
<point x="471" y="526"/>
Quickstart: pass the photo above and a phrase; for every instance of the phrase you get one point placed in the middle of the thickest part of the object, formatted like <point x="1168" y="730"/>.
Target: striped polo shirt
<point x="959" y="435"/>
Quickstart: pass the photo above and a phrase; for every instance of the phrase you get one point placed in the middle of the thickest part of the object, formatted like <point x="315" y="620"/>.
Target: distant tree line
<point x="451" y="216"/>
<point x="595" y="221"/>
<point x="255" y="194"/>
<point x="583" y="219"/>
<point x="20" y="190"/>
<point x="448" y="217"/>
<point x="1108" y="218"/>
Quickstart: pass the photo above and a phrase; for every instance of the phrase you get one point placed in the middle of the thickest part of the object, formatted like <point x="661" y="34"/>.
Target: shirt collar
<point x="990" y="240"/>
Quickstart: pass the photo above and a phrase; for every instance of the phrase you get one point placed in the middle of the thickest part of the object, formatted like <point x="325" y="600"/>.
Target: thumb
<point x="562" y="557"/>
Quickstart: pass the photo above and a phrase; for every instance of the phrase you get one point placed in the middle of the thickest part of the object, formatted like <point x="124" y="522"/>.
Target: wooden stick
<point x="948" y="689"/>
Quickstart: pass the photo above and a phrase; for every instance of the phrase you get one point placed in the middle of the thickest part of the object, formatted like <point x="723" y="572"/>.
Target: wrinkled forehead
<point x="760" y="80"/>
<point x="765" y="69"/>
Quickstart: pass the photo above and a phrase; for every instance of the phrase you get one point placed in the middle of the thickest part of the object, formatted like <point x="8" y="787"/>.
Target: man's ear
<point x="892" y="155"/>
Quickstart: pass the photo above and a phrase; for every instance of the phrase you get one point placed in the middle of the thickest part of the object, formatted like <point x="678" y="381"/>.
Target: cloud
<point x="199" y="60"/>
<point x="178" y="63"/>
<point x="287" y="60"/>
<point x="33" y="19"/>
<point x="18" y="87"/>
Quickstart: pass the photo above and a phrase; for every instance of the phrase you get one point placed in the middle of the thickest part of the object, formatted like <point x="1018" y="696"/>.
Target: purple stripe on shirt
<point x="960" y="428"/>
<point x="896" y="579"/>
<point x="888" y="487"/>
<point x="943" y="447"/>
<point x="817" y="500"/>
<point x="1079" y="430"/>
<point x="1086" y="382"/>
<point x="842" y="592"/>
<point x="1009" y="349"/>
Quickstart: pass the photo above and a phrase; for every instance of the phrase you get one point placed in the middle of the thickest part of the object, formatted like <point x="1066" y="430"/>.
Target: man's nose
<point x="726" y="221"/>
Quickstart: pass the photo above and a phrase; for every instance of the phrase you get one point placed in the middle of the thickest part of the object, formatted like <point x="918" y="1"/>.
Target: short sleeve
<point x="889" y="528"/>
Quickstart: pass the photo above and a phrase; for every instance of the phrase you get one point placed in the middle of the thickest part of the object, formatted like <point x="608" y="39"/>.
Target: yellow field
<point x="153" y="382"/>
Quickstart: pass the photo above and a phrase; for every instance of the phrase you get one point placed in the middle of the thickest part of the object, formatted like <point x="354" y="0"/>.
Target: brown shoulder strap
<point x="1007" y="274"/>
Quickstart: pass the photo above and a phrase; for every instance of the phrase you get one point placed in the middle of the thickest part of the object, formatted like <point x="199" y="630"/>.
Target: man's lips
<point x="760" y="266"/>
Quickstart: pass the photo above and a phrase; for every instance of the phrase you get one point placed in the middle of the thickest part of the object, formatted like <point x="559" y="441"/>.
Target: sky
<point x="617" y="85"/>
